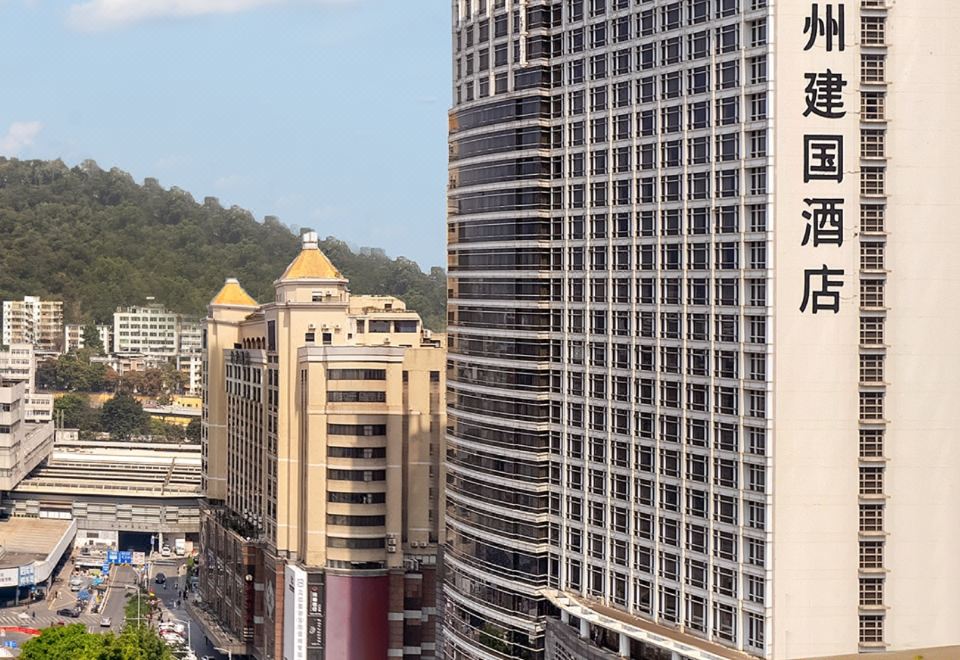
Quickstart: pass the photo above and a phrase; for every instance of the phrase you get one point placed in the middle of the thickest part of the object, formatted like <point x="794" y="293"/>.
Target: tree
<point x="74" y="411"/>
<point x="123" y="416"/>
<point x="91" y="339"/>
<point x="96" y="239"/>
<point x="136" y="642"/>
<point x="193" y="430"/>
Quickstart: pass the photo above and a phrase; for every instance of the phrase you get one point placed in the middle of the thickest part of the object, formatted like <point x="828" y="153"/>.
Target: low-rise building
<point x="19" y="364"/>
<point x="119" y="493"/>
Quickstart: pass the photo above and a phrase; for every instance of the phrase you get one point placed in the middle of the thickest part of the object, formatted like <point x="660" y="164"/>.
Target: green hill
<point x="97" y="239"/>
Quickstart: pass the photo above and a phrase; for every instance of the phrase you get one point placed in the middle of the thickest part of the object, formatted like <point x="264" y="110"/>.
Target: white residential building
<point x="33" y="321"/>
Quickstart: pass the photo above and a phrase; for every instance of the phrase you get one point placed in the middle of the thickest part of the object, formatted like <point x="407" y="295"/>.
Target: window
<point x="871" y="330"/>
<point x="871" y="368"/>
<point x="871" y="294"/>
<point x="871" y="406"/>
<point x="871" y="555"/>
<point x="872" y="106"/>
<point x="872" y="143"/>
<point x="872" y="180"/>
<point x="871" y="481"/>
<point x="871" y="517"/>
<point x="872" y="68"/>
<point x="872" y="218"/>
<point x="871" y="592"/>
<point x="348" y="396"/>
<point x="871" y="443"/>
<point x="871" y="629"/>
<point x="872" y="30"/>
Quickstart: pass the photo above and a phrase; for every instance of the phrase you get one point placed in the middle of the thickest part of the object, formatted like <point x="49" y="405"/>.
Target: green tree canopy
<point x="91" y="339"/>
<point x="74" y="411"/>
<point x="75" y="643"/>
<point x="97" y="240"/>
<point x="122" y="416"/>
<point x="193" y="430"/>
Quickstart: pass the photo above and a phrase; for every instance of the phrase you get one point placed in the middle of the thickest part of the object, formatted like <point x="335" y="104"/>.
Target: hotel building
<point x="702" y="338"/>
<point x="323" y="426"/>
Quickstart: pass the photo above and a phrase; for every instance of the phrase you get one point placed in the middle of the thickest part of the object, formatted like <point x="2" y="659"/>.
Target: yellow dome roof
<point x="311" y="263"/>
<point x="233" y="294"/>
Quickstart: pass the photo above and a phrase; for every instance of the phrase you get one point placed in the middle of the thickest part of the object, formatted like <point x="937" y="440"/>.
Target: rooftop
<point x="233" y="294"/>
<point x="311" y="263"/>
<point x="25" y="540"/>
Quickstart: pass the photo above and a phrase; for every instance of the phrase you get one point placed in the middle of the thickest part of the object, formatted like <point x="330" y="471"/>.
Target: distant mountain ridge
<point x="97" y="239"/>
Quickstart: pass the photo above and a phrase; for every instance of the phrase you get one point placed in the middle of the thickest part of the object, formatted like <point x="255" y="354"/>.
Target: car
<point x="165" y="551"/>
<point x="106" y="622"/>
<point x="160" y="578"/>
<point x="72" y="612"/>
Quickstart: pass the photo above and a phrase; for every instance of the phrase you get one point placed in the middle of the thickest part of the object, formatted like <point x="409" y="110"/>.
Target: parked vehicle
<point x="160" y="578"/>
<point x="165" y="550"/>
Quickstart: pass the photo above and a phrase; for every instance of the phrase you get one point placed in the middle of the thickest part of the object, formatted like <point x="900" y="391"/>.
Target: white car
<point x="165" y="551"/>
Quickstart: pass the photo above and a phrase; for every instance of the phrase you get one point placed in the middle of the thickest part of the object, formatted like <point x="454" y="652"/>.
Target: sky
<point x="330" y="114"/>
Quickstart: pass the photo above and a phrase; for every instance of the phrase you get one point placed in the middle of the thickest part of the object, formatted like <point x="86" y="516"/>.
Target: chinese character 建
<point x="824" y="94"/>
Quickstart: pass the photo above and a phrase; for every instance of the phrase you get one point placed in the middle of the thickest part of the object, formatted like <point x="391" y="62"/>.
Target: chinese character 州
<point x="823" y="158"/>
<point x="827" y="297"/>
<point x="824" y="94"/>
<point x="824" y="222"/>
<point x="829" y="27"/>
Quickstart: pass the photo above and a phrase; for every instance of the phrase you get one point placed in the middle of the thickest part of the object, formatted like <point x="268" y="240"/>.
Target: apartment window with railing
<point x="871" y="629"/>
<point x="871" y="368"/>
<point x="872" y="68"/>
<point x="871" y="517"/>
<point x="871" y="443"/>
<point x="871" y="480"/>
<point x="873" y="106"/>
<point x="871" y="406"/>
<point x="871" y="293"/>
<point x="871" y="555"/>
<point x="872" y="218"/>
<point x="871" y="331"/>
<point x="871" y="256"/>
<point x="871" y="592"/>
<point x="872" y="30"/>
<point x="872" y="143"/>
<point x="872" y="181"/>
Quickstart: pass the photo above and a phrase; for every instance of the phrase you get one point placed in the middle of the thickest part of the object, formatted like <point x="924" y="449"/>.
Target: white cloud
<point x="107" y="14"/>
<point x="20" y="134"/>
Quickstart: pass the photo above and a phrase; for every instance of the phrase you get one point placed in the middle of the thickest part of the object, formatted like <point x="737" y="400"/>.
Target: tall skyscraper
<point x="322" y="427"/>
<point x="702" y="329"/>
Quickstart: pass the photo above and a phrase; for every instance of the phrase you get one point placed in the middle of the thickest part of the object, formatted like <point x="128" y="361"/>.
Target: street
<point x="175" y="584"/>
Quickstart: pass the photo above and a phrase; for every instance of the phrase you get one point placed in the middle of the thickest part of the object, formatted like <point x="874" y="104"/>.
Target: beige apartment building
<point x="703" y="288"/>
<point x="322" y="451"/>
<point x="33" y="321"/>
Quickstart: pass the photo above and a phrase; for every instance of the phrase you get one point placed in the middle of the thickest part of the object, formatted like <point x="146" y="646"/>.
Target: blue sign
<point x="105" y="568"/>
<point x="125" y="557"/>
<point x="27" y="577"/>
<point x="10" y="644"/>
<point x="112" y="556"/>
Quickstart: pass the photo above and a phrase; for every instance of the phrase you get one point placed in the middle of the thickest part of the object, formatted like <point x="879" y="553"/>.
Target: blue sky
<point x="330" y="114"/>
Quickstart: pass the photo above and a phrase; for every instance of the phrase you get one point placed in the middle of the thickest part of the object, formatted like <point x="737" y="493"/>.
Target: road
<point x="176" y="582"/>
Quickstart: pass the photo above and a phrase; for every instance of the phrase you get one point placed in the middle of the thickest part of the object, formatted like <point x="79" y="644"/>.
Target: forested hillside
<point x="97" y="239"/>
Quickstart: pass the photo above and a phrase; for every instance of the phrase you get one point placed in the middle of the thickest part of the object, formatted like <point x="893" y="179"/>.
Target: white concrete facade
<point x="702" y="303"/>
